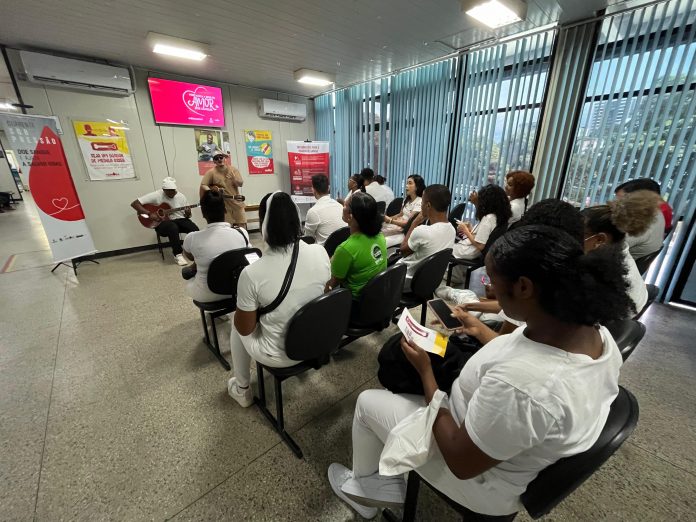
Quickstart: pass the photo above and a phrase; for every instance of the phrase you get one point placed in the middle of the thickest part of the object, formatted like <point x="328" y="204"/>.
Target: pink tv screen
<point x="181" y="103"/>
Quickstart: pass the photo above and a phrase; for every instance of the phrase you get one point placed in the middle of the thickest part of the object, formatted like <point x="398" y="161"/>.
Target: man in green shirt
<point x="364" y="254"/>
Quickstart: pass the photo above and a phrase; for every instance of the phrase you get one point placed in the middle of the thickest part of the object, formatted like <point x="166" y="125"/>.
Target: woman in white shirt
<point x="355" y="184"/>
<point x="518" y="185"/>
<point x="393" y="228"/>
<point x="492" y="211"/>
<point x="261" y="336"/>
<point x="506" y="419"/>
<point x="609" y="224"/>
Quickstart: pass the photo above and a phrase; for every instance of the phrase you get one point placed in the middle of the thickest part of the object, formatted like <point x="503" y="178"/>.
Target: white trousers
<point x="377" y="412"/>
<point x="198" y="292"/>
<point x="246" y="348"/>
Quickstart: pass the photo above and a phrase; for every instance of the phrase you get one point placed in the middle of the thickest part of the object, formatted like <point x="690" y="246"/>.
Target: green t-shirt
<point x="358" y="259"/>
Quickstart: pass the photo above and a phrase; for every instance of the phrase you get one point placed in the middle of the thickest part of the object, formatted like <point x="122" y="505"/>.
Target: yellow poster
<point x="104" y="147"/>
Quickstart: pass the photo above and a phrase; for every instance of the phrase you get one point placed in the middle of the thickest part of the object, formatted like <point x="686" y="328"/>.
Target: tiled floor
<point x="112" y="409"/>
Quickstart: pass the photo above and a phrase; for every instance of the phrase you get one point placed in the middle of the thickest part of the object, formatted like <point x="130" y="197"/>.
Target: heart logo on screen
<point x="199" y="100"/>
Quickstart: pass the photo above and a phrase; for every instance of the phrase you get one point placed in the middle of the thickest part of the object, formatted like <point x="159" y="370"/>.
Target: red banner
<point x="306" y="158"/>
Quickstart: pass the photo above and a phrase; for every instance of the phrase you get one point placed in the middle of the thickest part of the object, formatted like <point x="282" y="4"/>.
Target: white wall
<point x="158" y="151"/>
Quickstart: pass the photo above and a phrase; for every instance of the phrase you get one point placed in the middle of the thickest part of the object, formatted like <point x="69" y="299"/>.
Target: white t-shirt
<point x="325" y="217"/>
<point x="637" y="290"/>
<point x="527" y="404"/>
<point x="207" y="244"/>
<point x="517" y="206"/>
<point x="380" y="192"/>
<point x="649" y="241"/>
<point x="259" y="285"/>
<point x="411" y="208"/>
<point x="424" y="241"/>
<point x="158" y="197"/>
<point x="482" y="231"/>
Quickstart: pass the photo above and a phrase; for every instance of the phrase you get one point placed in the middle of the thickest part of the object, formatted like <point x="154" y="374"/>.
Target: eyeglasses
<point x="590" y="237"/>
<point x="218" y="158"/>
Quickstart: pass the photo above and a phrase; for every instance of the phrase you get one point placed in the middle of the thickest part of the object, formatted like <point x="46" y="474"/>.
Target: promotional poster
<point x="104" y="148"/>
<point x="259" y="151"/>
<point x="306" y="158"/>
<point x="208" y="143"/>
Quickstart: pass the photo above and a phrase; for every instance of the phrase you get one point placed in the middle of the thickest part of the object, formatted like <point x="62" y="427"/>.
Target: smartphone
<point x="444" y="313"/>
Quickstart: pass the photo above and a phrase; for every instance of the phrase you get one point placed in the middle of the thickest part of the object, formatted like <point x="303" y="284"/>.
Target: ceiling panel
<point x="261" y="43"/>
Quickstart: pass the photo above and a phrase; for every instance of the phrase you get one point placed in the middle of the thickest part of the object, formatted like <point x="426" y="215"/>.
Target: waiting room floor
<point x="112" y="409"/>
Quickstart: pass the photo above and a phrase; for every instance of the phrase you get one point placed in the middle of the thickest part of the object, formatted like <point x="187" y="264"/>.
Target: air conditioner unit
<point x="47" y="69"/>
<point x="281" y="110"/>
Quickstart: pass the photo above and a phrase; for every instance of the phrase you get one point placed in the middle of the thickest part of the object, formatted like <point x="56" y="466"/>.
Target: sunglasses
<point x="218" y="158"/>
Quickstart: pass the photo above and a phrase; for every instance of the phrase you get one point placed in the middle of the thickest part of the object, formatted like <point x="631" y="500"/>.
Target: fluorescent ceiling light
<point x="178" y="47"/>
<point x="495" y="13"/>
<point x="311" y="77"/>
<point x="7" y="107"/>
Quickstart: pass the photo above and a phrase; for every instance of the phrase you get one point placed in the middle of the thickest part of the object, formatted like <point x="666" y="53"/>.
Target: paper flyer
<point x="427" y="339"/>
<point x="104" y="149"/>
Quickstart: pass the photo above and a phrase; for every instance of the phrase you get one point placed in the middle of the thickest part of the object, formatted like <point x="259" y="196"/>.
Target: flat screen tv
<point x="181" y="103"/>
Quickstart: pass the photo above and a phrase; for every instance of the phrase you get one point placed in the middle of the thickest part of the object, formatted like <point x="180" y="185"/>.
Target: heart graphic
<point x="60" y="203"/>
<point x="198" y="99"/>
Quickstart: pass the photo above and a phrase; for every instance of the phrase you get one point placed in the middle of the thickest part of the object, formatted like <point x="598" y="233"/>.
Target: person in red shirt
<point x="653" y="186"/>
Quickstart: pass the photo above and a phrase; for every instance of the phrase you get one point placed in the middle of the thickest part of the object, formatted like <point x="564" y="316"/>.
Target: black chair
<point x="653" y="292"/>
<point x="627" y="334"/>
<point x="160" y="245"/>
<point x="457" y="212"/>
<point x="335" y="239"/>
<point x="394" y="207"/>
<point x="379" y="299"/>
<point x="313" y="333"/>
<point x="557" y="481"/>
<point x="643" y="263"/>
<point x="469" y="265"/>
<point x="381" y="207"/>
<point x="223" y="275"/>
<point x="308" y="239"/>
<point x="426" y="278"/>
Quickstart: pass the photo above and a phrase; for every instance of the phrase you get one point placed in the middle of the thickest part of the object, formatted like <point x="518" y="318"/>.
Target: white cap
<point x="169" y="183"/>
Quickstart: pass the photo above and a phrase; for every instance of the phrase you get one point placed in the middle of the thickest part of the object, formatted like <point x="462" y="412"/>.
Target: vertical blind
<point x="639" y="115"/>
<point x="498" y="111"/>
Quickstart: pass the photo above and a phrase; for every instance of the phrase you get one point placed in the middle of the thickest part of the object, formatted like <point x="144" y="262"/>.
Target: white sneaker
<point x="180" y="260"/>
<point x="376" y="490"/>
<point x="243" y="396"/>
<point x="338" y="475"/>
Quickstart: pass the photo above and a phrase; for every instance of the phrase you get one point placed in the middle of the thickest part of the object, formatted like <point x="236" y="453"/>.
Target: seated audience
<point x="393" y="228"/>
<point x="364" y="254"/>
<point x="383" y="182"/>
<point x="651" y="240"/>
<point x="613" y="224"/>
<point x="506" y="419"/>
<point x="356" y="183"/>
<point x="423" y="240"/>
<point x="653" y="186"/>
<point x="326" y="216"/>
<point x="178" y="222"/>
<point x="374" y="189"/>
<point x="518" y="185"/>
<point x="493" y="212"/>
<point x="204" y="246"/>
<point x="261" y="336"/>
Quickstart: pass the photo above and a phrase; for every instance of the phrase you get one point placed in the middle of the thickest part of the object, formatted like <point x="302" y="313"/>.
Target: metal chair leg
<point x="450" y="267"/>
<point x="215" y="346"/>
<point x="467" y="277"/>
<point x="411" y="502"/>
<point x="205" y="327"/>
<point x="424" y="311"/>
<point x="159" y="245"/>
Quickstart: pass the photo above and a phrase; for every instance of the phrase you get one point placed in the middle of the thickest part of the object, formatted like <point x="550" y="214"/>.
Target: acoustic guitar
<point x="163" y="210"/>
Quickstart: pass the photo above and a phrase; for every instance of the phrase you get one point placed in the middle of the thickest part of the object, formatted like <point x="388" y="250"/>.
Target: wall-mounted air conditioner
<point x="69" y="73"/>
<point x="281" y="110"/>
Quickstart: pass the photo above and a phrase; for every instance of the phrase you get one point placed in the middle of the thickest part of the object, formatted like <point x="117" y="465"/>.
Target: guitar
<point x="164" y="210"/>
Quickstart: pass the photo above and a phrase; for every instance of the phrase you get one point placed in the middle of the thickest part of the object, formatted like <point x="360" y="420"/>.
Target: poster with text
<point x="41" y="157"/>
<point x="208" y="143"/>
<point x="104" y="149"/>
<point x="306" y="158"/>
<point x="259" y="151"/>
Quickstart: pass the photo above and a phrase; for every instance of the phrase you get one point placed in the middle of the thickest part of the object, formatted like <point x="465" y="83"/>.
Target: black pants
<point x="171" y="229"/>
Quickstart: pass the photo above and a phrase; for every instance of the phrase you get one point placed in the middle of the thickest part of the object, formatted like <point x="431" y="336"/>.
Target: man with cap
<point x="178" y="222"/>
<point x="228" y="180"/>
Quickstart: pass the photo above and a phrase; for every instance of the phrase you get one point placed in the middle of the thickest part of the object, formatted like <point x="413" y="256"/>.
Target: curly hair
<point x="523" y="183"/>
<point x="283" y="226"/>
<point x="364" y="209"/>
<point x="632" y="215"/>
<point x="555" y="213"/>
<point x="493" y="200"/>
<point x="571" y="286"/>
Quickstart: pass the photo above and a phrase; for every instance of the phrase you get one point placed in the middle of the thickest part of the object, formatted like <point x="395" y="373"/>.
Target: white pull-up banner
<point x="39" y="150"/>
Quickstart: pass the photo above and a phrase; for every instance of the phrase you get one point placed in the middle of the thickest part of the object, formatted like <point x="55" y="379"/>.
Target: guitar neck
<point x="187" y="207"/>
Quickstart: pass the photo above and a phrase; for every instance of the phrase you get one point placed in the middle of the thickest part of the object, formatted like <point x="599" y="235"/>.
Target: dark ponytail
<point x="572" y="286"/>
<point x="364" y="209"/>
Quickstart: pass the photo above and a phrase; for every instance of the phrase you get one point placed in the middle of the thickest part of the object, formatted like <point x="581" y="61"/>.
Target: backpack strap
<point x="285" y="288"/>
<point x="246" y="241"/>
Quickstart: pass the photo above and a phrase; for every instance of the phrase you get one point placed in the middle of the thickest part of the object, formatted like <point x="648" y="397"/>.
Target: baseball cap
<point x="219" y="154"/>
<point x="169" y="183"/>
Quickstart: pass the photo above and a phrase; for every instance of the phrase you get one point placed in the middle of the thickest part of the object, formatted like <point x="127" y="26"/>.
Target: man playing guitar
<point x="178" y="222"/>
<point x="228" y="180"/>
